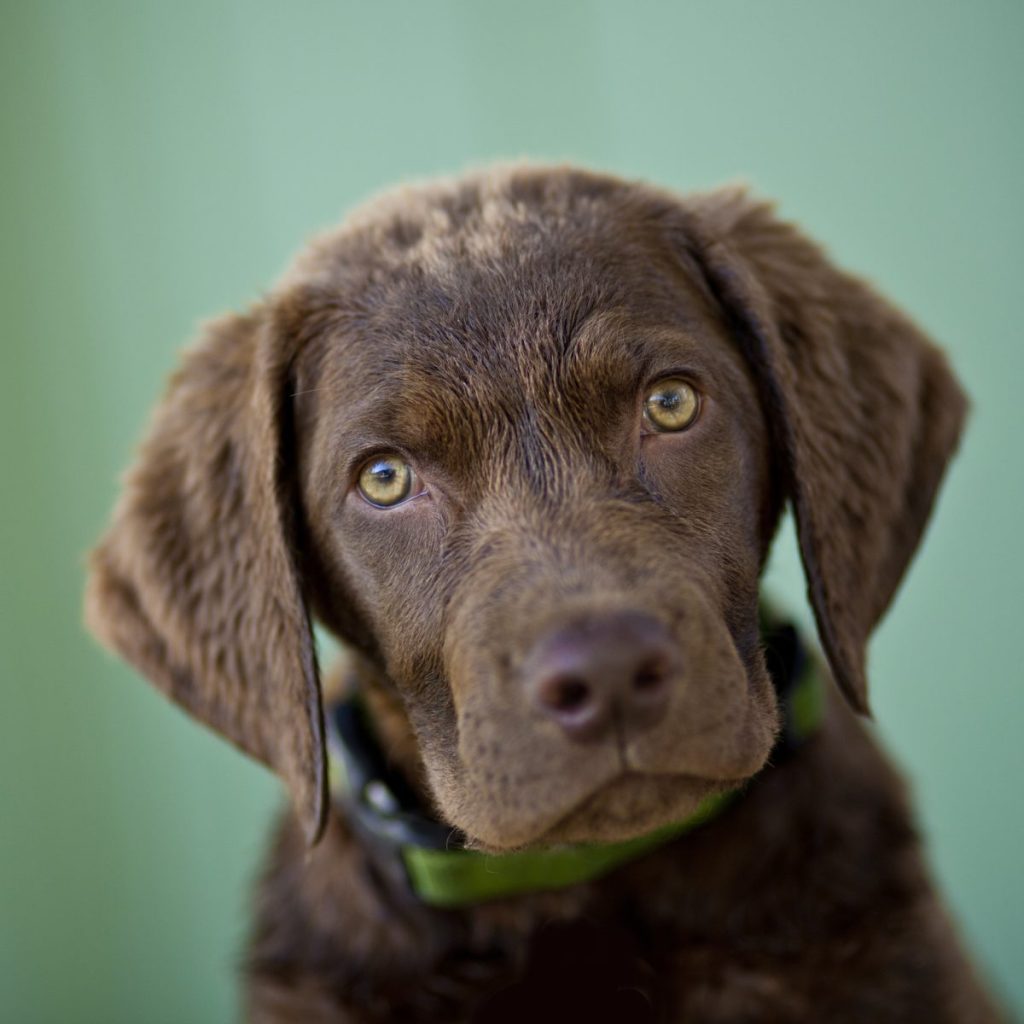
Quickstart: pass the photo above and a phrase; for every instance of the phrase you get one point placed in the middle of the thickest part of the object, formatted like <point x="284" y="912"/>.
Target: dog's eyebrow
<point x="423" y="422"/>
<point x="621" y="345"/>
<point x="595" y="325"/>
<point x="568" y="325"/>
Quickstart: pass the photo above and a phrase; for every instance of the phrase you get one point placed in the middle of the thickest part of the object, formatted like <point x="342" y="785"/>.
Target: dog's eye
<point x="671" y="405"/>
<point x="387" y="480"/>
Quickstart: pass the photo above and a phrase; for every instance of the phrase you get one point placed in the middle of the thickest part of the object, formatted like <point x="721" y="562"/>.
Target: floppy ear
<point x="195" y="582"/>
<point x="864" y="409"/>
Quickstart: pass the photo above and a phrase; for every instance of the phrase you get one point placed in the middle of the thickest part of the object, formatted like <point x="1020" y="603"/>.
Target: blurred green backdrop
<point x="161" y="161"/>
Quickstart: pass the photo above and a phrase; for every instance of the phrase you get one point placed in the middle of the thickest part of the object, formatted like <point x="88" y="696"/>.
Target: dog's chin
<point x="630" y="805"/>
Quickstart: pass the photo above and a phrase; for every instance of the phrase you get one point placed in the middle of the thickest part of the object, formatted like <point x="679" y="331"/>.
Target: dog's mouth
<point x="629" y="805"/>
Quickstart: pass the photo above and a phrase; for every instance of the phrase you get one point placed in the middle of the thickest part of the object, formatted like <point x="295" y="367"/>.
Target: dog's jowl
<point x="521" y="441"/>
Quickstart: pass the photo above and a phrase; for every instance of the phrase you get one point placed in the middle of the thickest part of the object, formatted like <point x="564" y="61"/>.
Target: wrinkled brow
<point x="440" y="404"/>
<point x="619" y="350"/>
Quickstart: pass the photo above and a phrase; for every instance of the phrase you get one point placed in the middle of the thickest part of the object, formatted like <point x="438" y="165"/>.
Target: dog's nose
<point x="602" y="668"/>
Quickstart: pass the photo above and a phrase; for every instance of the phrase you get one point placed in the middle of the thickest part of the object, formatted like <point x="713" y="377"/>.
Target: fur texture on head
<point x="499" y="335"/>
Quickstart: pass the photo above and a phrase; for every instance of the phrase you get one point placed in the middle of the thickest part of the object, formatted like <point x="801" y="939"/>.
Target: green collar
<point x="428" y="857"/>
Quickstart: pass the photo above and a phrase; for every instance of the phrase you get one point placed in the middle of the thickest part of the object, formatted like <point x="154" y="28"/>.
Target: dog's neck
<point x="354" y="673"/>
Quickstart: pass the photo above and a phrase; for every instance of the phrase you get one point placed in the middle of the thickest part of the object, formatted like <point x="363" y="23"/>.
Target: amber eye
<point x="671" y="405"/>
<point x="386" y="480"/>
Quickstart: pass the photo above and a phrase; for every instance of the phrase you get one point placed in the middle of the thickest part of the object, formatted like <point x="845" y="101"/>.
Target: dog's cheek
<point x="408" y="622"/>
<point x="715" y="481"/>
<point x="376" y="580"/>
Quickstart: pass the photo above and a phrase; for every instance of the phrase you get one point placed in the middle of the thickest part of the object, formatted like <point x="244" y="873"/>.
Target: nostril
<point x="577" y="703"/>
<point x="568" y="694"/>
<point x="650" y="675"/>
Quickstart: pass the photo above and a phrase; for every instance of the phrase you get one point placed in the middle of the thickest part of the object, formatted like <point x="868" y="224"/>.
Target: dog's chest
<point x="580" y="971"/>
<point x="595" y="973"/>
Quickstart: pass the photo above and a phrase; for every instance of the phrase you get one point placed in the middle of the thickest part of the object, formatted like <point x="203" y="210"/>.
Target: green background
<point x="160" y="163"/>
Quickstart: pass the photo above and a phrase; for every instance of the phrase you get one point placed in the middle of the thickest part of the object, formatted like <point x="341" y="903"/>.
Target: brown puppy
<point x="522" y="441"/>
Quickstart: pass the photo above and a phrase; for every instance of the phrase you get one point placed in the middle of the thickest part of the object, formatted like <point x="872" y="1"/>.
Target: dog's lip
<point x="560" y="830"/>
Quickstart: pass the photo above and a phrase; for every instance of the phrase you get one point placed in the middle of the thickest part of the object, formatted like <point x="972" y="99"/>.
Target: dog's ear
<point x="863" y="407"/>
<point x="195" y="583"/>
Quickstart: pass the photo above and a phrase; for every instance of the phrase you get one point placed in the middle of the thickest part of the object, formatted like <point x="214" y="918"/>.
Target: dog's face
<point x="517" y="471"/>
<point x="523" y="440"/>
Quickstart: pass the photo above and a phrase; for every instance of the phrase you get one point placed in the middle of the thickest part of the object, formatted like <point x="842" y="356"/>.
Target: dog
<point x="521" y="440"/>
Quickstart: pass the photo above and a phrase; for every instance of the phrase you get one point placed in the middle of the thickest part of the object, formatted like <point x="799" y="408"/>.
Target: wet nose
<point x="588" y="673"/>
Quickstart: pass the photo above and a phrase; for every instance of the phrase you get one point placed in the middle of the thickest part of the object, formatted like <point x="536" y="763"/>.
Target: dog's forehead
<point x="471" y="219"/>
<point x="442" y="313"/>
<point x="491" y="252"/>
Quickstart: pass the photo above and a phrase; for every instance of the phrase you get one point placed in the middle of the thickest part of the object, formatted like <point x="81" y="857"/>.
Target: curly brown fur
<point x="499" y="333"/>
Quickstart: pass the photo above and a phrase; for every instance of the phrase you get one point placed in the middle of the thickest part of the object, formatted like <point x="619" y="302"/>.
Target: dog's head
<point x="523" y="440"/>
